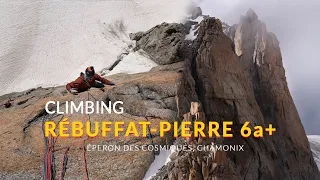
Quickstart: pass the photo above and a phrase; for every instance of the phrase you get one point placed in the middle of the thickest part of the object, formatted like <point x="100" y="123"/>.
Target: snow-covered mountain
<point x="46" y="43"/>
<point x="315" y="147"/>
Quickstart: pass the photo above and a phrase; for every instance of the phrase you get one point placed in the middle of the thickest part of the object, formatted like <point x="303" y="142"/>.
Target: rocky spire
<point x="260" y="56"/>
<point x="251" y="15"/>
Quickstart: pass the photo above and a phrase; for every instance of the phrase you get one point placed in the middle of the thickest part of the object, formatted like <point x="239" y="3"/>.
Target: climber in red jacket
<point x="86" y="81"/>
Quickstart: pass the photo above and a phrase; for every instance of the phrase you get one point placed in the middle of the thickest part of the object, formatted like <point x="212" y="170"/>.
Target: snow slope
<point x="47" y="43"/>
<point x="160" y="160"/>
<point x="194" y="29"/>
<point x="315" y="147"/>
<point x="134" y="62"/>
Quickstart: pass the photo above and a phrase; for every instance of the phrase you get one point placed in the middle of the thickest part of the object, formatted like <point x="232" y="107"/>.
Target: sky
<point x="295" y="22"/>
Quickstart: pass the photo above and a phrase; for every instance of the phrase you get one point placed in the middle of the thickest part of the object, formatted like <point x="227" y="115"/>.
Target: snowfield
<point x="160" y="160"/>
<point x="134" y="62"/>
<point x="48" y="43"/>
<point x="315" y="147"/>
<point x="193" y="31"/>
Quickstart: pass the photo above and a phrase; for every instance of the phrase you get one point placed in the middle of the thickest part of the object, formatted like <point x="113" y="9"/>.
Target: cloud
<point x="295" y="24"/>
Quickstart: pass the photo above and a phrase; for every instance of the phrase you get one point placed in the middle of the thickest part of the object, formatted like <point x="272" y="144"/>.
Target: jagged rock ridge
<point x="243" y="79"/>
<point x="161" y="42"/>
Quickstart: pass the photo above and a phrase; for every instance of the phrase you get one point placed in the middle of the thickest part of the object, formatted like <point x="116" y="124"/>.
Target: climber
<point x="86" y="81"/>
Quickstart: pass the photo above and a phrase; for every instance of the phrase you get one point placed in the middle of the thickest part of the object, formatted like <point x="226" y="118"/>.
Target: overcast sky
<point x="296" y="24"/>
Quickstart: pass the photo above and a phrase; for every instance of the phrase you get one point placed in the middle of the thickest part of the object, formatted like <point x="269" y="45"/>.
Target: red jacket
<point x="82" y="85"/>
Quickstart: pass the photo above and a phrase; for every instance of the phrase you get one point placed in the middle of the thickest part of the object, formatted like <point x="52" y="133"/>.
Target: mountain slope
<point x="314" y="141"/>
<point x="45" y="43"/>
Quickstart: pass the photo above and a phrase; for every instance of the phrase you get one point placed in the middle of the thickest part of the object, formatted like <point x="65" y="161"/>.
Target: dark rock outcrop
<point x="195" y="12"/>
<point x="136" y="36"/>
<point x="162" y="42"/>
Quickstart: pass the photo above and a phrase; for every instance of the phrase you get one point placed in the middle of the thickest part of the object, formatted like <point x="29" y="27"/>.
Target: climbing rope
<point x="49" y="166"/>
<point x="86" y="177"/>
<point x="48" y="163"/>
<point x="64" y="163"/>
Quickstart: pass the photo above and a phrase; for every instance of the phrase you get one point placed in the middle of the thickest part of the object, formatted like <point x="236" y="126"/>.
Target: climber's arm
<point x="104" y="80"/>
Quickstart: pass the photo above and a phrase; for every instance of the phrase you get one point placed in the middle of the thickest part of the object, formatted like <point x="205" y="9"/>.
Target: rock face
<point x="22" y="146"/>
<point x="261" y="58"/>
<point x="240" y="80"/>
<point x="162" y="42"/>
